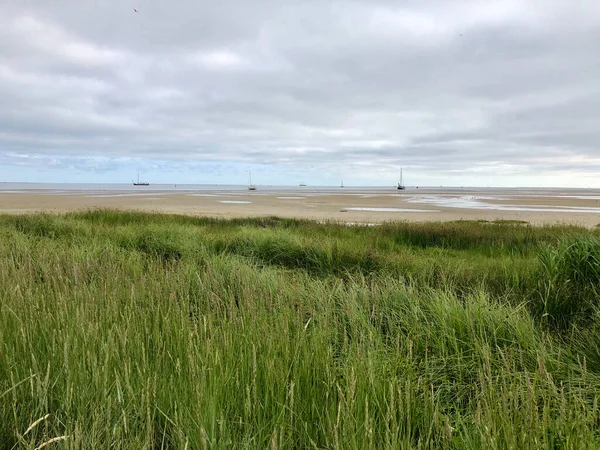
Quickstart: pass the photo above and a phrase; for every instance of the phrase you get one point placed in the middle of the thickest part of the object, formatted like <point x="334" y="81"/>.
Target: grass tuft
<point x="569" y="280"/>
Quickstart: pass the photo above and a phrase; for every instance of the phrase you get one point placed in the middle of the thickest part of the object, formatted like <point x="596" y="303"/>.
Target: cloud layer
<point x="457" y="92"/>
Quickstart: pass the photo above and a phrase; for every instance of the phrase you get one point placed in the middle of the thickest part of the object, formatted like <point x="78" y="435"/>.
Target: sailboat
<point x="342" y="185"/>
<point x="140" y="183"/>
<point x="401" y="186"/>
<point x="251" y="187"/>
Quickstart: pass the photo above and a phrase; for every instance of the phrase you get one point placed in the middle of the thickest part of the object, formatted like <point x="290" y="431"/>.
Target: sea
<point x="87" y="188"/>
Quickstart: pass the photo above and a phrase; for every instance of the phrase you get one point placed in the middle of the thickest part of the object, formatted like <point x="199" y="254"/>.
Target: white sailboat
<point x="251" y="187"/>
<point x="401" y="186"/>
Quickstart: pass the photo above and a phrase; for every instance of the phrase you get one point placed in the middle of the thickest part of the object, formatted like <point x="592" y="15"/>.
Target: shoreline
<point x="374" y="205"/>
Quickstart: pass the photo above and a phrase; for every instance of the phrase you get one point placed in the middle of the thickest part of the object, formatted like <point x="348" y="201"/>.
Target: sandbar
<point x="352" y="205"/>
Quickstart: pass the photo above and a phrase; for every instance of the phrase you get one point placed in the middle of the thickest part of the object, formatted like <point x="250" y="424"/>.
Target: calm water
<point x="206" y="189"/>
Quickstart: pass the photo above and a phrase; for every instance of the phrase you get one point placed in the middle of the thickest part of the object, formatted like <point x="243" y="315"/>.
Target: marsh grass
<point x="134" y="330"/>
<point x="570" y="279"/>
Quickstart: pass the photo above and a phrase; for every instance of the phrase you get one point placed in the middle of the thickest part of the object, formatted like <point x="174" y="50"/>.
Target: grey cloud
<point x="438" y="85"/>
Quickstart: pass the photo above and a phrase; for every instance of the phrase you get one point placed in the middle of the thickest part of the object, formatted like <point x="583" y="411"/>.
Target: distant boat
<point x="342" y="185"/>
<point x="302" y="184"/>
<point x="251" y="187"/>
<point x="401" y="186"/>
<point x="140" y="183"/>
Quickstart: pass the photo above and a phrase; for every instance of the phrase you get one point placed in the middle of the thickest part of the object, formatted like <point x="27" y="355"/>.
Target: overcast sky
<point x="486" y="92"/>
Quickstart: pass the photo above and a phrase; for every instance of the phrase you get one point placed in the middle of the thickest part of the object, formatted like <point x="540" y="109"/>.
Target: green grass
<point x="135" y="330"/>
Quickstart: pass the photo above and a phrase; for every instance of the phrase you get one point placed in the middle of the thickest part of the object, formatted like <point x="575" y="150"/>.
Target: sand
<point x="353" y="205"/>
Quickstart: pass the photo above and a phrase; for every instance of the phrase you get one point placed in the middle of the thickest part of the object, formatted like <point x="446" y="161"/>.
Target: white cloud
<point x="217" y="59"/>
<point x="443" y="88"/>
<point x="55" y="41"/>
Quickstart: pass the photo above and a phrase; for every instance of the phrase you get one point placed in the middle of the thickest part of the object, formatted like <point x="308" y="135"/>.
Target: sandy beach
<point x="360" y="205"/>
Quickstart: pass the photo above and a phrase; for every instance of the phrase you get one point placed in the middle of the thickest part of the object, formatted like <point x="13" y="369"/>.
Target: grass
<point x="135" y="330"/>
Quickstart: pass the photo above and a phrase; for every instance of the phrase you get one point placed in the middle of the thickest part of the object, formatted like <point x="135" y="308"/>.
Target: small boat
<point x="342" y="185"/>
<point x="401" y="186"/>
<point x="251" y="187"/>
<point x="140" y="183"/>
<point x="302" y="185"/>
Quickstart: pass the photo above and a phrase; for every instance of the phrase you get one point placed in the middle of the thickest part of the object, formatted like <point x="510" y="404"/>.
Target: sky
<point x="473" y="93"/>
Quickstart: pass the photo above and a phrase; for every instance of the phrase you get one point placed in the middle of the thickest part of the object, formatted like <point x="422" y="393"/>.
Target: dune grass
<point x="135" y="330"/>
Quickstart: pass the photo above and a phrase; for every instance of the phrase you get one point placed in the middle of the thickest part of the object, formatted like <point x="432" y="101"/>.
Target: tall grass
<point x="133" y="330"/>
<point x="570" y="280"/>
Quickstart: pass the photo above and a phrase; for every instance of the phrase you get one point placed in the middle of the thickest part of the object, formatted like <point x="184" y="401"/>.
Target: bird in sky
<point x="135" y="10"/>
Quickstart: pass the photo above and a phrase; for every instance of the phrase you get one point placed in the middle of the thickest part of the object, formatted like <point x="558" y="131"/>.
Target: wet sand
<point x="356" y="205"/>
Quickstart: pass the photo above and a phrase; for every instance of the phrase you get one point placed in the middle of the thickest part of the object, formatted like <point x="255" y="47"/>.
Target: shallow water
<point x="477" y="203"/>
